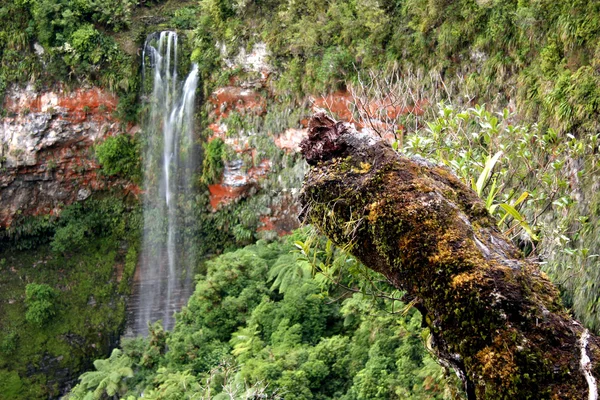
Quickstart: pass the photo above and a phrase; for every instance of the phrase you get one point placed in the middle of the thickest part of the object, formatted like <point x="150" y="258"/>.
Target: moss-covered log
<point x="494" y="317"/>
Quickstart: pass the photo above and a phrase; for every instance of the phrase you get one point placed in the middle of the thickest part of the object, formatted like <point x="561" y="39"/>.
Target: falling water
<point x="164" y="281"/>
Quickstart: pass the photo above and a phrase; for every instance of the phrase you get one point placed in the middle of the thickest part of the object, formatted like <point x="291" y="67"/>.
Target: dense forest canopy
<point x="505" y="93"/>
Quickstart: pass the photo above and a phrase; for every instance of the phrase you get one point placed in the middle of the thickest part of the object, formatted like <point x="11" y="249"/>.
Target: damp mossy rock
<point x="494" y="317"/>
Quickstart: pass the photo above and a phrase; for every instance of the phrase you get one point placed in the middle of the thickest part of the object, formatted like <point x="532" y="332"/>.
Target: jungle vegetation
<point x="530" y="150"/>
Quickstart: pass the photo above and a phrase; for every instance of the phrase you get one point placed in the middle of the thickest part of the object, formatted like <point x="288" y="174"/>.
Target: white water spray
<point x="164" y="280"/>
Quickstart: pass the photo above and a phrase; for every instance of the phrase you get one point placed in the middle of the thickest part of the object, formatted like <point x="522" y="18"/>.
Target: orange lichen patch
<point x="230" y="98"/>
<point x="466" y="278"/>
<point x="290" y="139"/>
<point x="497" y="361"/>
<point x="224" y="194"/>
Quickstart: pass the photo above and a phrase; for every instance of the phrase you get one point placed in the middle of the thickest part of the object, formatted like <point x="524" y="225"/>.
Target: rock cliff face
<point x="248" y="170"/>
<point x="45" y="156"/>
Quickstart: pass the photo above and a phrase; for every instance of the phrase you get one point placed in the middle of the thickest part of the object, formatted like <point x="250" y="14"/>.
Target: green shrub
<point x="69" y="237"/>
<point x="107" y="381"/>
<point x="212" y="163"/>
<point x="81" y="221"/>
<point x="241" y="335"/>
<point x="86" y="44"/>
<point x="114" y="13"/>
<point x="184" y="18"/>
<point x="28" y="232"/>
<point x="9" y="343"/>
<point x="11" y="385"/>
<point x="40" y="301"/>
<point x="120" y="155"/>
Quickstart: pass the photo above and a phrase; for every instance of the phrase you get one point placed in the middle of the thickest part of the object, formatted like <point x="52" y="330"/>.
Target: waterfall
<point x="163" y="279"/>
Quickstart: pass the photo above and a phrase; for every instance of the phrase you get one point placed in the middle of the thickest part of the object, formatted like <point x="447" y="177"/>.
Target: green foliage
<point x="71" y="230"/>
<point x="543" y="56"/>
<point x="76" y="43"/>
<point x="108" y="379"/>
<point x="9" y="343"/>
<point x="239" y="337"/>
<point x="28" y="233"/>
<point x="530" y="181"/>
<point x="56" y="20"/>
<point x="84" y="43"/>
<point x="481" y="148"/>
<point x="10" y="384"/>
<point x="50" y="301"/>
<point x="287" y="270"/>
<point x="184" y="18"/>
<point x="81" y="221"/>
<point x="212" y="161"/>
<point x="40" y="302"/>
<point x="174" y="385"/>
<point x="120" y="155"/>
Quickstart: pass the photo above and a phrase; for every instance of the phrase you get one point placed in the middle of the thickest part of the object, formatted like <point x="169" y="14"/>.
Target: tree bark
<point x="494" y="317"/>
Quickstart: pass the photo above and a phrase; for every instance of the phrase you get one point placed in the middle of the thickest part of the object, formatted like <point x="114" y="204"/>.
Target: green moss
<point x="11" y="384"/>
<point x="212" y="161"/>
<point x="77" y="309"/>
<point x="425" y="243"/>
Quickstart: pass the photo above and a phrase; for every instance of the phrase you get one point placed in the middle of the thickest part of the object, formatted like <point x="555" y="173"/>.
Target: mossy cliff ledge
<point x="493" y="317"/>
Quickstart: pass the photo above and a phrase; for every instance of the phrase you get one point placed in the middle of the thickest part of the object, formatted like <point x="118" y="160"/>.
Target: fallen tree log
<point x="493" y="316"/>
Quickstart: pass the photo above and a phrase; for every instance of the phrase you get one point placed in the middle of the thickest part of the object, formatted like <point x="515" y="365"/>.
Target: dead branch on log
<point x="494" y="317"/>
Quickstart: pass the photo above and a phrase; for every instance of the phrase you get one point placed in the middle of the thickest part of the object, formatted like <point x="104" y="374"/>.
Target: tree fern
<point x="288" y="270"/>
<point x="108" y="379"/>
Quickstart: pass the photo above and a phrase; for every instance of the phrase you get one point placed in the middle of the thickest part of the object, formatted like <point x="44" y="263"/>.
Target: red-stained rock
<point x="229" y="98"/>
<point x="284" y="216"/>
<point x="342" y="104"/>
<point x="224" y="194"/>
<point x="241" y="180"/>
<point x="236" y="183"/>
<point x="339" y="103"/>
<point x="45" y="149"/>
<point x="77" y="106"/>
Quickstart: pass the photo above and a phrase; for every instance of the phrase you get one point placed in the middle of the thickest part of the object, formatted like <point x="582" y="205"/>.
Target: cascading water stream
<point x="164" y="274"/>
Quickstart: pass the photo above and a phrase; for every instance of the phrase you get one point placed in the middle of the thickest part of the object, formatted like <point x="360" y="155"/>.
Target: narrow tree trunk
<point x="494" y="317"/>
